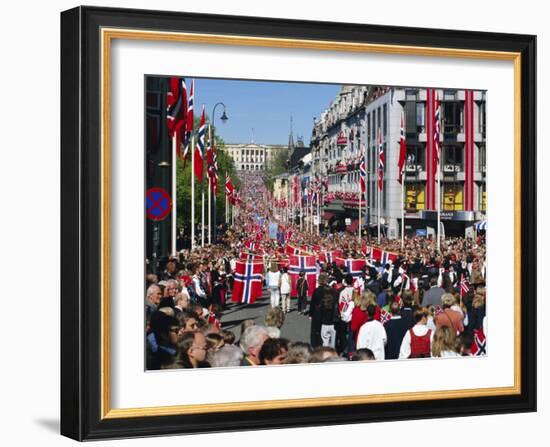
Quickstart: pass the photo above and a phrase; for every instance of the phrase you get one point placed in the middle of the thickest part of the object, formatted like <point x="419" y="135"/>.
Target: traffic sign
<point x="158" y="203"/>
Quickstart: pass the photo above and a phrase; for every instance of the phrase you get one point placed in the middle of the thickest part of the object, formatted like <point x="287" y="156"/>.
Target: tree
<point x="279" y="166"/>
<point x="183" y="186"/>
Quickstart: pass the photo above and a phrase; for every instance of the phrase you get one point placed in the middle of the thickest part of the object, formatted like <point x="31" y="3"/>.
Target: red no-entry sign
<point x="158" y="203"/>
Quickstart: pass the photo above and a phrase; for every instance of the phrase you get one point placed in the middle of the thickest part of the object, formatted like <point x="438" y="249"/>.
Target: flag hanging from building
<point x="199" y="149"/>
<point x="306" y="264"/>
<point x="247" y="284"/>
<point x="189" y="122"/>
<point x="432" y="146"/>
<point x="469" y="150"/>
<point x="363" y="175"/>
<point x="381" y="160"/>
<point x="402" y="152"/>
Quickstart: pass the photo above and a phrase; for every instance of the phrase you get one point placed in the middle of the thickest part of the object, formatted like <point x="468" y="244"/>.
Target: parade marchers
<point x="422" y="304"/>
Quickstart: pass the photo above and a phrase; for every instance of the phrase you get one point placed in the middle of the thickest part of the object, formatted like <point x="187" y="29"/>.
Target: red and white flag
<point x="381" y="160"/>
<point x="355" y="266"/>
<point x="402" y="152"/>
<point x="199" y="149"/>
<point x="189" y="122"/>
<point x="247" y="285"/>
<point x="229" y="188"/>
<point x="306" y="264"/>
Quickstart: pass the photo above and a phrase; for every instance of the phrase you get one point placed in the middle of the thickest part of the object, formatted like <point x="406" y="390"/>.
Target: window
<point x="451" y="120"/>
<point x="481" y="119"/>
<point x="414" y="196"/>
<point x="368" y="129"/>
<point x="453" y="155"/>
<point x="452" y="197"/>
<point x="420" y="117"/>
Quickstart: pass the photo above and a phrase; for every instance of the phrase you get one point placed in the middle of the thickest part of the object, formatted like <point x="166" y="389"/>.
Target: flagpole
<point x="174" y="192"/>
<point x="211" y="146"/>
<point x="378" y="200"/>
<point x="402" y="212"/>
<point x="226" y="203"/>
<point x="318" y="211"/>
<point x="192" y="192"/>
<point x="359" y="217"/>
<point x="209" y="211"/>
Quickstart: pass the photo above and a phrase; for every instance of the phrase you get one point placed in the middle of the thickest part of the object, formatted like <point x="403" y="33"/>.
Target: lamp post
<point x="212" y="214"/>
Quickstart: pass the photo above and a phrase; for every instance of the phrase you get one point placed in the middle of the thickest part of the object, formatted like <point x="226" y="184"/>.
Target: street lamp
<point x="224" y="118"/>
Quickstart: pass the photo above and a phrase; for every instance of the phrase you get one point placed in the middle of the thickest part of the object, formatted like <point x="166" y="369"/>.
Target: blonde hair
<point x="447" y="299"/>
<point x="444" y="340"/>
<point x="367" y="298"/>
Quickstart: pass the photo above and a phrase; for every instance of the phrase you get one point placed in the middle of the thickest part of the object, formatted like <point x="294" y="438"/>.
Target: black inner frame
<point x="81" y="219"/>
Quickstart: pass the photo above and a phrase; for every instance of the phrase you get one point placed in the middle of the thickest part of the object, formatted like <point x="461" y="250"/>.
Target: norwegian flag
<point x="199" y="149"/>
<point x="402" y="152"/>
<point x="247" y="284"/>
<point x="229" y="188"/>
<point x="479" y="345"/>
<point x="295" y="190"/>
<point x="251" y="245"/>
<point x="355" y="266"/>
<point x="388" y="257"/>
<point x="385" y="316"/>
<point x="291" y="250"/>
<point x="363" y="175"/>
<point x="464" y="286"/>
<point x="366" y="250"/>
<point x="250" y="257"/>
<point x="339" y="261"/>
<point x="176" y="97"/>
<point x="437" y="129"/>
<point x="327" y="257"/>
<point x="190" y="122"/>
<point x="306" y="264"/>
<point x="211" y="163"/>
<point x="381" y="160"/>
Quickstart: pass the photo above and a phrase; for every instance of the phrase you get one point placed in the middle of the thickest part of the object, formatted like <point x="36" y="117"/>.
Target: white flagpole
<point x="318" y="210"/>
<point x="192" y="192"/>
<point x="402" y="212"/>
<point x="202" y="214"/>
<point x="438" y="203"/>
<point x="211" y="146"/>
<point x="209" y="212"/>
<point x="378" y="200"/>
<point x="359" y="216"/>
<point x="174" y="192"/>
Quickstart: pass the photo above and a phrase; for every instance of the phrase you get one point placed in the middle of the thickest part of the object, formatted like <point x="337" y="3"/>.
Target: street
<point x="296" y="326"/>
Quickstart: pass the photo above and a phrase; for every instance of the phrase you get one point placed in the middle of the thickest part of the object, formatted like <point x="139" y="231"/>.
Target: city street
<point x="295" y="328"/>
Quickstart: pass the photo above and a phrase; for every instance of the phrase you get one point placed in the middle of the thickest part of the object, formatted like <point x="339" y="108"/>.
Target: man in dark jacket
<point x="314" y="310"/>
<point x="396" y="328"/>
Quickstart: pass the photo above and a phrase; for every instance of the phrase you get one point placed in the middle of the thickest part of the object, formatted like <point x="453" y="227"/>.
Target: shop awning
<point x="481" y="225"/>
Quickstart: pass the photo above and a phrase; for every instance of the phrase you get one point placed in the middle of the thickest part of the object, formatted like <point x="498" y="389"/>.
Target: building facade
<point x="365" y="119"/>
<point x="252" y="156"/>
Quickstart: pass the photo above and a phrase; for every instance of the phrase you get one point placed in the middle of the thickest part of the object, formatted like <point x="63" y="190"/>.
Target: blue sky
<point x="263" y="106"/>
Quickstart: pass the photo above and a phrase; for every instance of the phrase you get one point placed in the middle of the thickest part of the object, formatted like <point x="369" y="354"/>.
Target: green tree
<point x="277" y="167"/>
<point x="183" y="186"/>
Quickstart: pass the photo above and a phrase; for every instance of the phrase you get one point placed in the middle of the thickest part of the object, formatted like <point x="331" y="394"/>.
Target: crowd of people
<point x="426" y="303"/>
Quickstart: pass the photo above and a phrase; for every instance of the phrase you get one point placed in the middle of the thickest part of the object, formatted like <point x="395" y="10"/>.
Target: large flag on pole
<point x="363" y="175"/>
<point x="199" y="149"/>
<point x="437" y="130"/>
<point x="176" y="99"/>
<point x="189" y="122"/>
<point x="211" y="163"/>
<point x="247" y="284"/>
<point x="402" y="152"/>
<point x="229" y="188"/>
<point x="381" y="160"/>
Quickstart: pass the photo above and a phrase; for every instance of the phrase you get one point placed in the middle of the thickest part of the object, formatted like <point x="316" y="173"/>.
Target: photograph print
<point x="295" y="223"/>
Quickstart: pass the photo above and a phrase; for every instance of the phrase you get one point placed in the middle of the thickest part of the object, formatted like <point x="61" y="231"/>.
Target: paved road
<point x="295" y="328"/>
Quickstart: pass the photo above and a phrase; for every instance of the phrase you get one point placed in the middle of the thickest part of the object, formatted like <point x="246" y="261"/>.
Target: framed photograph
<point x="276" y="223"/>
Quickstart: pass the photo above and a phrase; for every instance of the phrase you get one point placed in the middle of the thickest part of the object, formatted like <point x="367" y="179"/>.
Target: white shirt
<point x="419" y="330"/>
<point x="285" y="283"/>
<point x="372" y="335"/>
<point x="273" y="279"/>
<point x="346" y="304"/>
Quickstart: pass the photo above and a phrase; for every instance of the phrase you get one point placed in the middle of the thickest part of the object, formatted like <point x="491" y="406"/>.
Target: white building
<point x="252" y="156"/>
